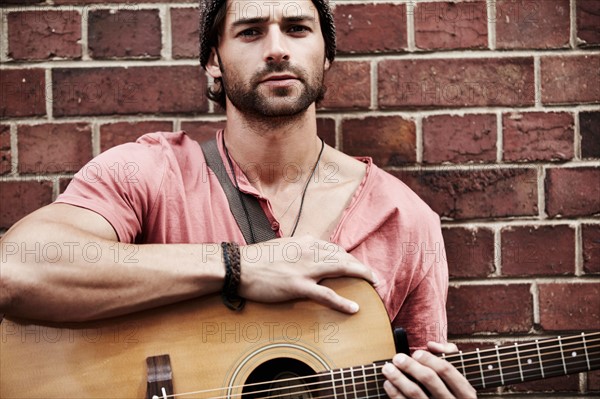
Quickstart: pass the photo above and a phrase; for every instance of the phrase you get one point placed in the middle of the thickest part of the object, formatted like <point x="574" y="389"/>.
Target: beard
<point x="277" y="102"/>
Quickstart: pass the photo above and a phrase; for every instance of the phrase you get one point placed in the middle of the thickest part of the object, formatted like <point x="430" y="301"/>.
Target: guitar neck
<point x="489" y="368"/>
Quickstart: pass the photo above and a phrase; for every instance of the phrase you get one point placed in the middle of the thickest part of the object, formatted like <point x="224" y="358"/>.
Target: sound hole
<point x="281" y="378"/>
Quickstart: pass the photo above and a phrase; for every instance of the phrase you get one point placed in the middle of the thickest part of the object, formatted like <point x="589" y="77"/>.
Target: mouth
<point x="279" y="78"/>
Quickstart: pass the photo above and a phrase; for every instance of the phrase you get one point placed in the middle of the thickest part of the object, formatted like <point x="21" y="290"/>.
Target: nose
<point x="276" y="49"/>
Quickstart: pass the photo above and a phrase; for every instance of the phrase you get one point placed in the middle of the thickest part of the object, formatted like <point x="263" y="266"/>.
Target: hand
<point x="290" y="268"/>
<point x="438" y="376"/>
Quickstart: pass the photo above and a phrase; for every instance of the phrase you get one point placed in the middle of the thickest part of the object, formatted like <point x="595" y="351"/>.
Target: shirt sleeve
<point x="120" y="185"/>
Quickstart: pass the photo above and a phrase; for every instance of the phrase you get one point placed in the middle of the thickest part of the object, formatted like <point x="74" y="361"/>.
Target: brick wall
<point x="490" y="110"/>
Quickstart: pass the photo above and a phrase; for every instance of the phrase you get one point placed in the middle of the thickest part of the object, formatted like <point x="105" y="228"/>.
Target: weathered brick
<point x="590" y="234"/>
<point x="538" y="136"/>
<point x="19" y="198"/>
<point x="532" y="24"/>
<point x="569" y="306"/>
<point x="185" y="31"/>
<point x="124" y="34"/>
<point x="41" y="35"/>
<point x="202" y="130"/>
<point x="455" y="82"/>
<point x="467" y="194"/>
<point x="5" y="154"/>
<point x="105" y="91"/>
<point x="588" y="21"/>
<point x="593" y="379"/>
<point x="589" y="128"/>
<point x="326" y="130"/>
<point x="390" y="141"/>
<point x="348" y="85"/>
<point x="572" y="191"/>
<point x="367" y="28"/>
<point x="133" y="2"/>
<point x="470" y="252"/>
<point x="565" y="383"/>
<point x="490" y="308"/>
<point x="457" y="139"/>
<point x="113" y="134"/>
<point x="22" y="93"/>
<point x="449" y="25"/>
<point x="538" y="250"/>
<point x="63" y="182"/>
<point x="54" y="148"/>
<point x="570" y="79"/>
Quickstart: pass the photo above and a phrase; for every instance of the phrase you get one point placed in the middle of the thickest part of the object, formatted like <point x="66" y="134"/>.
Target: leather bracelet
<point x="233" y="274"/>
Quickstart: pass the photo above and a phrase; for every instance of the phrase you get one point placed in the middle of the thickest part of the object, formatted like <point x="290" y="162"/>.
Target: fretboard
<point x="488" y="368"/>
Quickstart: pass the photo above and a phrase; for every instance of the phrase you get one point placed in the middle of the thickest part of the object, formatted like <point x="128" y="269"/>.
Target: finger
<point x="438" y="347"/>
<point x="391" y="391"/>
<point x="328" y="297"/>
<point x="427" y="376"/>
<point x="401" y="382"/>
<point x="343" y="268"/>
<point x="451" y="377"/>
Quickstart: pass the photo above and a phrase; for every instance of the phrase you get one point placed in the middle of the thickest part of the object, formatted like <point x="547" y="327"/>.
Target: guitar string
<point x="374" y="368"/>
<point x="363" y="381"/>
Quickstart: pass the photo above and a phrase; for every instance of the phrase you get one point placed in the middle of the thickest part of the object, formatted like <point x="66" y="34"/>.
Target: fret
<point x="519" y="361"/>
<point x="480" y="368"/>
<point x="376" y="369"/>
<point x="562" y="355"/>
<point x="364" y="375"/>
<point x="499" y="365"/>
<point x="333" y="384"/>
<point x="537" y="344"/>
<point x="470" y="364"/>
<point x="587" y="358"/>
<point x="462" y="361"/>
<point x="343" y="383"/>
<point x="552" y="358"/>
<point x="358" y="384"/>
<point x="353" y="394"/>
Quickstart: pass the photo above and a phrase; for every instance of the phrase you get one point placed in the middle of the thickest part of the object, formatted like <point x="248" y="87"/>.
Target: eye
<point x="251" y="32"/>
<point x="299" y="29"/>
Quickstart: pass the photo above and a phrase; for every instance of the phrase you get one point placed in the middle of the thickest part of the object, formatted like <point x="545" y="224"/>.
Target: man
<point x="156" y="202"/>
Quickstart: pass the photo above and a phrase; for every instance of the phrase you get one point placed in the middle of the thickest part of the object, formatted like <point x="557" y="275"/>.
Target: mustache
<point x="281" y="67"/>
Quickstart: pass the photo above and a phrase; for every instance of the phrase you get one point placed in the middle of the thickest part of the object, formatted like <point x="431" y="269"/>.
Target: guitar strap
<point x="256" y="216"/>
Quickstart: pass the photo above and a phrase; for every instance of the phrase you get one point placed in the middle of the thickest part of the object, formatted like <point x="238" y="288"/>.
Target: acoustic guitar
<point x="200" y="349"/>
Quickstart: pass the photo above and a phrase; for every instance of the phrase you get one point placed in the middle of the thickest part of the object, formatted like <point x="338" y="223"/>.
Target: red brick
<point x="326" y="130"/>
<point x="570" y="79"/>
<point x="202" y="130"/>
<point x="588" y="20"/>
<point x="470" y="252"/>
<point x="468" y="194"/>
<point x="572" y="191"/>
<point x="590" y="234"/>
<point x="185" y="33"/>
<point x="490" y="308"/>
<point x="457" y="139"/>
<point x="525" y="24"/>
<point x="63" y="182"/>
<point x="390" y="141"/>
<point x="124" y="34"/>
<point x="589" y="127"/>
<point x="113" y="134"/>
<point x="41" y="35"/>
<point x="538" y="250"/>
<point x="569" y="306"/>
<point x="593" y="378"/>
<point x="538" y="136"/>
<point x="105" y="91"/>
<point x="133" y="2"/>
<point x="19" y="198"/>
<point x="448" y="25"/>
<point x="348" y="85"/>
<point x="23" y="93"/>
<point x="455" y="82"/>
<point x="5" y="155"/>
<point x="565" y="383"/>
<point x="54" y="148"/>
<point x="367" y="28"/>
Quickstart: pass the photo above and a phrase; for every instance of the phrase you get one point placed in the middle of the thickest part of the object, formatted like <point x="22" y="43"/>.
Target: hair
<point x="212" y="19"/>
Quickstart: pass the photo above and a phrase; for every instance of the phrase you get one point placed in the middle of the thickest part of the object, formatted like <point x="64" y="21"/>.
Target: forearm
<point x="60" y="273"/>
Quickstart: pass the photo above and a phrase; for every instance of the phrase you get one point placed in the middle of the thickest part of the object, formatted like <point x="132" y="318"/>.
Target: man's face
<point x="272" y="56"/>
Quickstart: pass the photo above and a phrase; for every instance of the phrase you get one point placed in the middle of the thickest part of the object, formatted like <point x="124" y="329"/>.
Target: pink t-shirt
<point x="159" y="190"/>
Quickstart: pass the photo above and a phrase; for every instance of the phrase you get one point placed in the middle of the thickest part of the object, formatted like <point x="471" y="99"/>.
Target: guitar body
<point x="210" y="347"/>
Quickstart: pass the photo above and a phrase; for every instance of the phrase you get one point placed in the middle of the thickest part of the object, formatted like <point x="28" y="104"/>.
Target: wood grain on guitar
<point x="295" y="350"/>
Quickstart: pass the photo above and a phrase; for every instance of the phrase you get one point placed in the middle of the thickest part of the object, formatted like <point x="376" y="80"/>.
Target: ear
<point x="212" y="66"/>
<point x="327" y="64"/>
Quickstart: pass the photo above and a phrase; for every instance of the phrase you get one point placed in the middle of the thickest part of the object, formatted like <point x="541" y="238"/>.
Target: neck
<point x="276" y="148"/>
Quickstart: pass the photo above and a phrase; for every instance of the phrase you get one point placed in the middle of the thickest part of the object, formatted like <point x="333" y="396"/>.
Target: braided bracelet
<point x="233" y="274"/>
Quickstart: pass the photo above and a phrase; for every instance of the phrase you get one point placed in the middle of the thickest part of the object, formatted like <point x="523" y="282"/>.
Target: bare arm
<point x="64" y="263"/>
